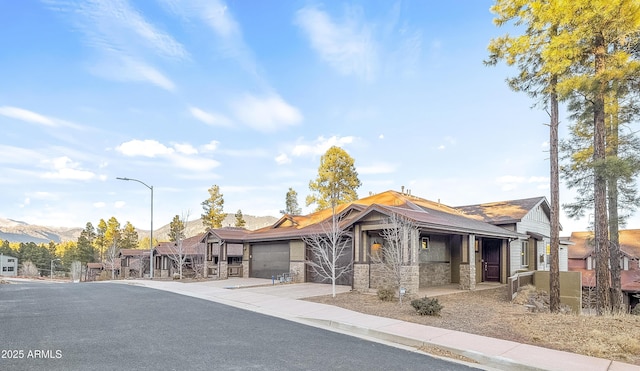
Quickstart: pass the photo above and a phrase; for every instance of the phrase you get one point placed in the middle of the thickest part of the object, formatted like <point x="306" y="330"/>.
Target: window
<point x="9" y="269"/>
<point x="209" y="251"/>
<point x="524" y="254"/>
<point x="234" y="260"/>
<point x="10" y="260"/>
<point x="424" y="243"/>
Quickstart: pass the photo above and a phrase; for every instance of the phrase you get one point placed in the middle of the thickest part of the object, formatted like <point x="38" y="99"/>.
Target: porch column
<point x="467" y="264"/>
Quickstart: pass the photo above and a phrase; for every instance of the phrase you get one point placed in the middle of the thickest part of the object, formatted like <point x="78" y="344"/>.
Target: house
<point x="447" y="245"/>
<point x="167" y="254"/>
<point x="134" y="263"/>
<point x="530" y="217"/>
<point x="93" y="271"/>
<point x="582" y="258"/>
<point x="224" y="252"/>
<point x="8" y="265"/>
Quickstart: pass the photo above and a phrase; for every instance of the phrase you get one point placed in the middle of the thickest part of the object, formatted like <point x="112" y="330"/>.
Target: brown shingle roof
<point x="583" y="247"/>
<point x="134" y="252"/>
<point x="191" y="246"/>
<point x="503" y="211"/>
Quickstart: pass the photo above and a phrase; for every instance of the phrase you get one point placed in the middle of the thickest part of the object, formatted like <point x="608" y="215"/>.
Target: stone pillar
<point x="412" y="281"/>
<point x="298" y="268"/>
<point x="224" y="272"/>
<point x="245" y="268"/>
<point x="361" y="277"/>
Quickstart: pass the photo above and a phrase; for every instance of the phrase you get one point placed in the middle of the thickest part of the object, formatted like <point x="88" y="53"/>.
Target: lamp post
<point x="51" y="270"/>
<point x="151" y="237"/>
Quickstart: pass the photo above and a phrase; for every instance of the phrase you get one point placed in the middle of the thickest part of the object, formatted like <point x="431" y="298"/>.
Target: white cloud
<point x="320" y="146"/>
<point x="26" y="201"/>
<point x="34" y="117"/>
<point x="441" y="147"/>
<point x="211" y="146"/>
<point x="380" y="168"/>
<point x="99" y="205"/>
<point x="120" y="68"/>
<point x="194" y="163"/>
<point x="347" y="46"/>
<point x="538" y="179"/>
<point x="267" y="113"/>
<point x="66" y="169"/>
<point x="126" y="42"/>
<point x="26" y="115"/>
<point x="119" y="204"/>
<point x="146" y="148"/>
<point x="511" y="179"/>
<point x="209" y="118"/>
<point x="185" y="148"/>
<point x="283" y="159"/>
<point x="381" y="136"/>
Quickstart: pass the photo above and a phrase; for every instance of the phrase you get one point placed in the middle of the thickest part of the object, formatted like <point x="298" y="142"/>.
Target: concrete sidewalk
<point x="282" y="301"/>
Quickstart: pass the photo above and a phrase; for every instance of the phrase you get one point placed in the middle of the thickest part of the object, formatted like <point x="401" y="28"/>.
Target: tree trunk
<point x="600" y="184"/>
<point x="617" y="301"/>
<point x="554" y="273"/>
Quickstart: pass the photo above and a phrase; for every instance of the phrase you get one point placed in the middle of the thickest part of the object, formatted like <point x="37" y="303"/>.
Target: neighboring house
<point x="582" y="258"/>
<point x="8" y="265"/>
<point x="93" y="271"/>
<point x="447" y="245"/>
<point x="167" y="254"/>
<point x="225" y="251"/>
<point x="134" y="263"/>
<point x="530" y="217"/>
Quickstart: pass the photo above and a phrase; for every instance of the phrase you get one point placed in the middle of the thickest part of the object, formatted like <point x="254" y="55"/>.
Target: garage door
<point x="269" y="260"/>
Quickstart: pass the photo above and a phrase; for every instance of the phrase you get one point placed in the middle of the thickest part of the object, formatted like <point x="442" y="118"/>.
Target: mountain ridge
<point x="18" y="231"/>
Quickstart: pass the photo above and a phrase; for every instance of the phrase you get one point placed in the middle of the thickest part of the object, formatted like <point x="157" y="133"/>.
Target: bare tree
<point x="198" y="260"/>
<point x="29" y="269"/>
<point x="177" y="251"/>
<point x="394" y="257"/>
<point x="330" y="252"/>
<point x="76" y="271"/>
<point x="111" y="258"/>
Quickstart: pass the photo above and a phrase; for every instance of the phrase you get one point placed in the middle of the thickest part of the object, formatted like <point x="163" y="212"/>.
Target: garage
<point x="269" y="260"/>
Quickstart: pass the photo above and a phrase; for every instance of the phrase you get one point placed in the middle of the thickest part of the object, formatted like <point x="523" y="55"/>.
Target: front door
<point x="491" y="261"/>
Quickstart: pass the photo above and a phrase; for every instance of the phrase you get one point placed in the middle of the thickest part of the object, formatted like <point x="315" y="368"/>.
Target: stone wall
<point x="411" y="281"/>
<point x="245" y="268"/>
<point x="361" y="277"/>
<point x="223" y="272"/>
<point x="435" y="274"/>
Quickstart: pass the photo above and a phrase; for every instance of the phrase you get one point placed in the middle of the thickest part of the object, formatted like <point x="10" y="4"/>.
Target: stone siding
<point x="297" y="272"/>
<point x="467" y="277"/>
<point x="361" y="277"/>
<point x="223" y="272"/>
<point x="245" y="268"/>
<point x="380" y="278"/>
<point x="435" y="274"/>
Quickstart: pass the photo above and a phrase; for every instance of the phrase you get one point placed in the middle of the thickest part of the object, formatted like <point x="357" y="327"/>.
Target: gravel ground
<point x="488" y="313"/>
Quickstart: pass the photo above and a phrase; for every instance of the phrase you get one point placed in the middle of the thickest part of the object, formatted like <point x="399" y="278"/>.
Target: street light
<point x="151" y="237"/>
<point x="51" y="270"/>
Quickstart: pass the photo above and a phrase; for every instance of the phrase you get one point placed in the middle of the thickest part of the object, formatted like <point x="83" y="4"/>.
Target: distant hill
<point x="17" y="231"/>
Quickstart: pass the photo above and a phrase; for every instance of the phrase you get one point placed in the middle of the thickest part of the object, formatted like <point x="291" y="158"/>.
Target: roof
<point x="583" y="245"/>
<point x="503" y="212"/>
<point x="134" y="252"/>
<point x="230" y="233"/>
<point x="437" y="219"/>
<point x="94" y="265"/>
<point x="191" y="246"/>
<point x="629" y="280"/>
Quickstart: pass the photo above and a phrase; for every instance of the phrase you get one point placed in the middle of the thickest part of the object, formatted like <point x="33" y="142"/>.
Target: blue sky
<point x="248" y="95"/>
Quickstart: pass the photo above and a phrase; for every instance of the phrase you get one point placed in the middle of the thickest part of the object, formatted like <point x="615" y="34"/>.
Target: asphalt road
<point x="102" y="326"/>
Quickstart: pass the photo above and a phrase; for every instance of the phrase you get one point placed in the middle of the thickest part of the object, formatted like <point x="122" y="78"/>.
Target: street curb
<point x="501" y="363"/>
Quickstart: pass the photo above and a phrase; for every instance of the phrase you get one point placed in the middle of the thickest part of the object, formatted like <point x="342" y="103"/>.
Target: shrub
<point x="636" y="310"/>
<point x="386" y="294"/>
<point x="427" y="306"/>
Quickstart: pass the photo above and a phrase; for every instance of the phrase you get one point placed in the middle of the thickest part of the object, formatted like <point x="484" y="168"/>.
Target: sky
<point x="247" y="95"/>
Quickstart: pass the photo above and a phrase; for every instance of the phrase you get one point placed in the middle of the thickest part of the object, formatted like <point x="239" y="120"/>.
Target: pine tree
<point x="291" y="203"/>
<point x="176" y="229"/>
<point x="240" y="222"/>
<point x="213" y="206"/>
<point x="337" y="180"/>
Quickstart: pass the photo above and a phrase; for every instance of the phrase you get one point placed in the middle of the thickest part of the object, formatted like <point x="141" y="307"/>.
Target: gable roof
<point x="504" y="212"/>
<point x="583" y="245"/>
<point x="191" y="246"/>
<point x="133" y="252"/>
<point x="230" y="233"/>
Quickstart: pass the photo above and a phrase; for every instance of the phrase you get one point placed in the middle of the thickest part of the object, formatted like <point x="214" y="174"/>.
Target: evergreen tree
<point x="213" y="207"/>
<point x="128" y="236"/>
<point x="337" y="180"/>
<point x="176" y="229"/>
<point x="240" y="222"/>
<point x="291" y="203"/>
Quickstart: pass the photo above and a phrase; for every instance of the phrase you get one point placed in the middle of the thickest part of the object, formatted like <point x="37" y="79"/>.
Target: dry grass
<point x="488" y="313"/>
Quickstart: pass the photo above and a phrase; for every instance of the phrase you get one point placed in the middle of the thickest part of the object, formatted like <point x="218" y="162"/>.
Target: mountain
<point x="17" y="231"/>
